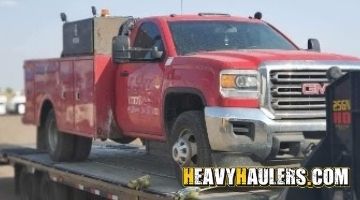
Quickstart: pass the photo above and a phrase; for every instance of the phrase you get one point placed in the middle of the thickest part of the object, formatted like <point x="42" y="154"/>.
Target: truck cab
<point x="251" y="89"/>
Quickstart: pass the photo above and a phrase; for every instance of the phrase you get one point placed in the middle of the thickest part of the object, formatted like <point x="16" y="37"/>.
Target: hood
<point x="253" y="58"/>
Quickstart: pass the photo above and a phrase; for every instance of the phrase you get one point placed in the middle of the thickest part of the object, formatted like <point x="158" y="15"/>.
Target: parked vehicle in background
<point x="3" y="101"/>
<point x="16" y="105"/>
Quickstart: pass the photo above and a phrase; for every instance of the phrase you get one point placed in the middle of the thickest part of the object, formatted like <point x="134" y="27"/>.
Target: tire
<point x="20" y="109"/>
<point x="187" y="134"/>
<point x="41" y="138"/>
<point x="82" y="148"/>
<point x="60" y="145"/>
<point x="46" y="188"/>
<point x="35" y="186"/>
<point x="50" y="190"/>
<point x="25" y="183"/>
<point x="80" y="195"/>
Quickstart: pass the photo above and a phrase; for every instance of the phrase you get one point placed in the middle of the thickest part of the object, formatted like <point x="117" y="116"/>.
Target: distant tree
<point x="9" y="92"/>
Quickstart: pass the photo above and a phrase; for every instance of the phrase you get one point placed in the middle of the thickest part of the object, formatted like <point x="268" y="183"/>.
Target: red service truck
<point x="214" y="88"/>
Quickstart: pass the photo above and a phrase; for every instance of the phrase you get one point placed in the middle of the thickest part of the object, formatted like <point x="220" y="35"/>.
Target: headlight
<point x="247" y="81"/>
<point x="239" y="83"/>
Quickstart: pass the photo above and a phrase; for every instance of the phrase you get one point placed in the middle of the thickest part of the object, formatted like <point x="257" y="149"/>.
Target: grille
<point x="286" y="90"/>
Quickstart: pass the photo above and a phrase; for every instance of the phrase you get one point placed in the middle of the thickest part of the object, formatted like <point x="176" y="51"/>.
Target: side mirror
<point x="122" y="52"/>
<point x="156" y="54"/>
<point x="120" y="49"/>
<point x="314" y="45"/>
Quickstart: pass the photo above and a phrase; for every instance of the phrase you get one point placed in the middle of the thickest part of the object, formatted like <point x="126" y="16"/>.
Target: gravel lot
<point x="12" y="131"/>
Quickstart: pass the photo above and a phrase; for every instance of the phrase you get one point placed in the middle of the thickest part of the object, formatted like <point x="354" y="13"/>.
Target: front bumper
<point x="250" y="132"/>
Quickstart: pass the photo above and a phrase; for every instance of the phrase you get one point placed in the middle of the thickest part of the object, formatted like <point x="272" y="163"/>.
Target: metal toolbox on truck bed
<point x="90" y="36"/>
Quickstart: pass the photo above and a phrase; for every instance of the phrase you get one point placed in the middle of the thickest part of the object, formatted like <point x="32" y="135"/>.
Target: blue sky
<point x="32" y="29"/>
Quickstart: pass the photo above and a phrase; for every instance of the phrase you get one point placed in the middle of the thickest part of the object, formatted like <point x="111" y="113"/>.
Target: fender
<point x="39" y="108"/>
<point x="183" y="90"/>
<point x="178" y="90"/>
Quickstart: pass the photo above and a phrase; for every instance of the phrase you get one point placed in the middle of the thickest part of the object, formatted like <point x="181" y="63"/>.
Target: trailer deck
<point x="111" y="167"/>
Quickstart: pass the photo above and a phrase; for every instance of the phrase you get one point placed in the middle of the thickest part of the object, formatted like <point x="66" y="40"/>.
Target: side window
<point x="148" y="37"/>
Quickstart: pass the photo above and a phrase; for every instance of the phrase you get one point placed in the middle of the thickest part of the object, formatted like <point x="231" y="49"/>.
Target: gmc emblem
<point x="314" y="88"/>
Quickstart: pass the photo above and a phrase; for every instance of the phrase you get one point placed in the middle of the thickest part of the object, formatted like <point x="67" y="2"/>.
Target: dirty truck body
<point x="256" y="92"/>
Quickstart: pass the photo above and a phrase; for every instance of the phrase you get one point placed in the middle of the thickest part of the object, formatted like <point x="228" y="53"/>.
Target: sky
<point x="32" y="28"/>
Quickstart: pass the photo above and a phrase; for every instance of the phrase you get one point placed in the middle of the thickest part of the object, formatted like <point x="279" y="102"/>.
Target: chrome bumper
<point x="269" y="139"/>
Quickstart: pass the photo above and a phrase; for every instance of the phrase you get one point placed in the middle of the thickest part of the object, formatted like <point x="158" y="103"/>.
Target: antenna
<point x="93" y="10"/>
<point x="181" y="6"/>
<point x="63" y="17"/>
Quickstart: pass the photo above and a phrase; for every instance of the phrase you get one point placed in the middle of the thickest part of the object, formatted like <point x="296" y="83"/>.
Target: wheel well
<point x="46" y="107"/>
<point x="177" y="103"/>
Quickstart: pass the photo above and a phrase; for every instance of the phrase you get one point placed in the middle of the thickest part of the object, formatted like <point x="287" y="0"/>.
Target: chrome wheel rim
<point x="184" y="150"/>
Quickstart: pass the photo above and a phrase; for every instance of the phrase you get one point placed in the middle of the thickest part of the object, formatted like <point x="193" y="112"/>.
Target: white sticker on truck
<point x="169" y="61"/>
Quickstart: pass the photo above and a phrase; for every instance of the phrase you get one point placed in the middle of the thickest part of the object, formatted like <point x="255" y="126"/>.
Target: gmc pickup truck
<point x="213" y="87"/>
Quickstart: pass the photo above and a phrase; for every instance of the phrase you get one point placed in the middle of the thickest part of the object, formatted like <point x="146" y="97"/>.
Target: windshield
<point x="195" y="36"/>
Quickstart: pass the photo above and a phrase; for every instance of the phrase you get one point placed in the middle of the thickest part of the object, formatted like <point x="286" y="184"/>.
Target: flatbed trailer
<point x="112" y="172"/>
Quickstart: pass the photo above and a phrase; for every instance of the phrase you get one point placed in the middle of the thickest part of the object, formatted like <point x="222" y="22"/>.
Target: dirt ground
<point x="12" y="131"/>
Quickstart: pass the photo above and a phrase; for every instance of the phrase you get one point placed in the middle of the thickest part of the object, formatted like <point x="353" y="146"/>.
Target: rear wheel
<point x="60" y="145"/>
<point x="25" y="183"/>
<point x="80" y="195"/>
<point x="63" y="146"/>
<point x="82" y="148"/>
<point x="50" y="190"/>
<point x="189" y="142"/>
<point x="46" y="188"/>
<point x="41" y="139"/>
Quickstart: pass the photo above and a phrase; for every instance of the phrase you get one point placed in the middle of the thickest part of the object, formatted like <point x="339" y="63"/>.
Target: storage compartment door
<point x="65" y="103"/>
<point x="84" y="97"/>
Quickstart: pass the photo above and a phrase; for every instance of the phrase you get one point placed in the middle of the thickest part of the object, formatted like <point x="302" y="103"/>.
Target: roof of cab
<point x="204" y="17"/>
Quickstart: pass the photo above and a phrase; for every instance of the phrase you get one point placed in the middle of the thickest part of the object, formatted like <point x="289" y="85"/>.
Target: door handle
<point x="77" y="96"/>
<point x="63" y="95"/>
<point x="124" y="73"/>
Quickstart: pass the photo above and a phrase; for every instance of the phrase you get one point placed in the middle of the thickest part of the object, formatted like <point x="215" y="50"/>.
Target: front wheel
<point x="189" y="142"/>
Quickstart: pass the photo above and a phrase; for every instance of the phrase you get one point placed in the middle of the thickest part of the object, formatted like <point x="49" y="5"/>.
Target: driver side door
<point x="139" y="86"/>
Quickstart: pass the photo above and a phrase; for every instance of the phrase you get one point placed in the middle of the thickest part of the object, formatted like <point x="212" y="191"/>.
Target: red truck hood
<point x="252" y="58"/>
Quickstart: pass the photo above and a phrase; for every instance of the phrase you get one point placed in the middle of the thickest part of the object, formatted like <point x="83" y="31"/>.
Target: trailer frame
<point x="96" y="184"/>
